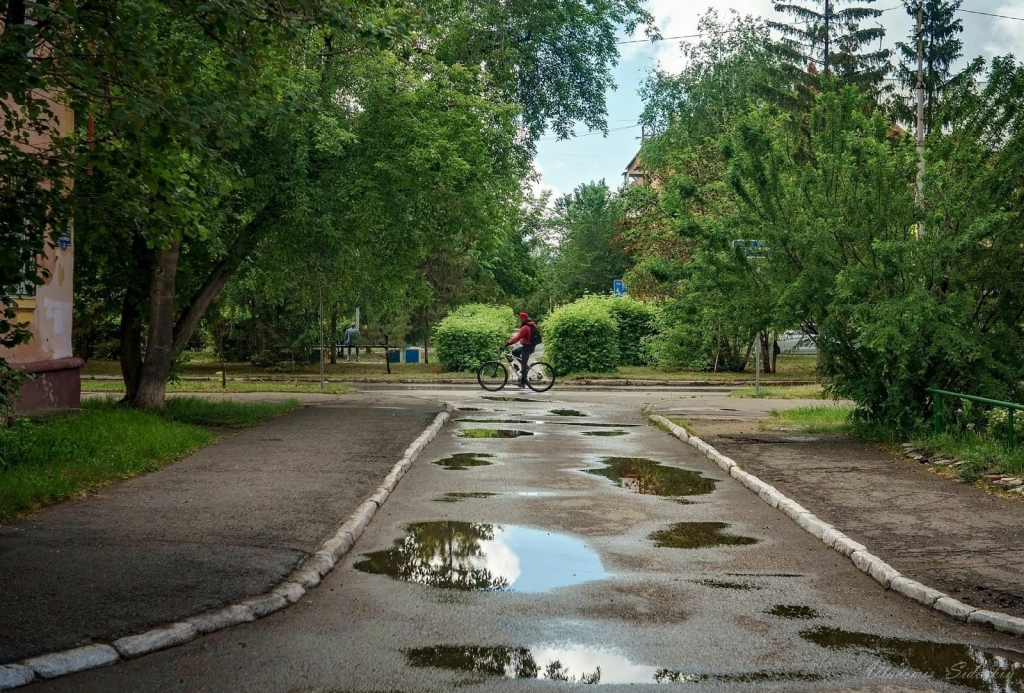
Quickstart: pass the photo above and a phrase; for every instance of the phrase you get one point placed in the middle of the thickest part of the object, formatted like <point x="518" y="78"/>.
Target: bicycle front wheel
<point x="492" y="376"/>
<point x="540" y="377"/>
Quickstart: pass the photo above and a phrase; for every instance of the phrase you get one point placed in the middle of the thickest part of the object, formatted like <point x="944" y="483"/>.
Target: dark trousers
<point x="523" y="353"/>
<point x="350" y="348"/>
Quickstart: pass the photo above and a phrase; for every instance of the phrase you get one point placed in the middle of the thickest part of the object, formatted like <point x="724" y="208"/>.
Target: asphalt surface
<point x="577" y="585"/>
<point x="224" y="524"/>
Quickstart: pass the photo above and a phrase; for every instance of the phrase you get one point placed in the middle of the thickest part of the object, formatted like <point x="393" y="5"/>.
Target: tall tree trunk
<point x="132" y="309"/>
<point x="193" y="313"/>
<point x="160" y="339"/>
<point x="334" y="334"/>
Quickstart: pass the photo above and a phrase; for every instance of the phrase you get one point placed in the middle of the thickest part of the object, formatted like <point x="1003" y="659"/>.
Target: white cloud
<point x="538" y="186"/>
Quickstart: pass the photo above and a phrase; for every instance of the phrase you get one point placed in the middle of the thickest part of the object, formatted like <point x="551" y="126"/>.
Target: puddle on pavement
<point x="726" y="585"/>
<point x="785" y="575"/>
<point x="462" y="460"/>
<point x="608" y="434"/>
<point x="456" y="497"/>
<point x="591" y="425"/>
<point x="649" y="477"/>
<point x="478" y="556"/>
<point x="511" y="399"/>
<point x="697" y="535"/>
<point x="574" y="664"/>
<point x="795" y="612"/>
<point x="497" y="421"/>
<point x="470" y="409"/>
<point x="567" y="412"/>
<point x="492" y="433"/>
<point x="977" y="668"/>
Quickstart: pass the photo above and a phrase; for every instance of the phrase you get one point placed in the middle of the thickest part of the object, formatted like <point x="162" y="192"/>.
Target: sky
<point x="562" y="165"/>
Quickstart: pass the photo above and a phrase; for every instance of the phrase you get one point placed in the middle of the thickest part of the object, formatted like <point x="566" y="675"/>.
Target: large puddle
<point x="591" y="425"/>
<point x="456" y="497"/>
<point x="697" y="535"/>
<point x="607" y="434"/>
<point x="477" y="556"/>
<point x="464" y="460"/>
<point x="573" y="664"/>
<point x="980" y="669"/>
<point x="647" y="476"/>
<point x="497" y="421"/>
<point x="492" y="433"/>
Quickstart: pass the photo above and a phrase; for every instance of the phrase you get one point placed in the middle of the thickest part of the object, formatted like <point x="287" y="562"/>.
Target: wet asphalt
<point x="556" y="576"/>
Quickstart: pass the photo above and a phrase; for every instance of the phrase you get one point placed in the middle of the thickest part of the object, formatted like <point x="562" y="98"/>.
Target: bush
<point x="581" y="337"/>
<point x="636" y="322"/>
<point x="472" y="334"/>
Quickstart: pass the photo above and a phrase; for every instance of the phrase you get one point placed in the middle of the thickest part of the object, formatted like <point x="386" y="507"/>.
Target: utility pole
<point x="322" y="333"/>
<point x="828" y="31"/>
<point x="919" y="192"/>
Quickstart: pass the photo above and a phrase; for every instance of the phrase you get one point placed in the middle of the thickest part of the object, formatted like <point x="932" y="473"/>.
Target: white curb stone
<point x="847" y="546"/>
<point x="292" y="591"/>
<point x="792" y="509"/>
<point x="915" y="590"/>
<point x="771" y="496"/>
<point x="69" y="661"/>
<point x="1001" y="622"/>
<point x="307" y="577"/>
<point x="380" y="496"/>
<point x="952" y="607"/>
<point x="229" y="616"/>
<point x="156" y="639"/>
<point x="265" y="604"/>
<point x="814" y="526"/>
<point x="321" y="562"/>
<point x="14" y="675"/>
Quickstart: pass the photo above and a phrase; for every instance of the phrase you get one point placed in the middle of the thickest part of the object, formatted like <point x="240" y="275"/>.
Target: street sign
<point x="751" y="248"/>
<point x="619" y="287"/>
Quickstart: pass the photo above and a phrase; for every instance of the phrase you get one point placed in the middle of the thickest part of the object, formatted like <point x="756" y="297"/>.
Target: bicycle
<point x="494" y="375"/>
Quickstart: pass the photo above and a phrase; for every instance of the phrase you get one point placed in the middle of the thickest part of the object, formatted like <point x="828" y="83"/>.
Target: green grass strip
<point x="812" y="419"/>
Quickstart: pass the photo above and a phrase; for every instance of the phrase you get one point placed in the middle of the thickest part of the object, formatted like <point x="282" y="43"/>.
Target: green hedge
<point x="471" y="335"/>
<point x="636" y="322"/>
<point x="581" y="337"/>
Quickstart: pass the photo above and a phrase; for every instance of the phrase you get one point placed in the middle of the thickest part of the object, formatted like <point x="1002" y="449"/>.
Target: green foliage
<point x="581" y="337"/>
<point x="942" y="48"/>
<point x="471" y="335"/>
<point x="206" y="412"/>
<point x="636" y="323"/>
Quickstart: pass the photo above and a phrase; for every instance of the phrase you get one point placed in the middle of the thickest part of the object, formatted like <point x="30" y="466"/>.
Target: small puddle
<point x="697" y="535"/>
<point x="511" y="399"/>
<point x="456" y="497"/>
<point x="607" y="434"/>
<point x="497" y="421"/>
<point x="591" y="425"/>
<point x="470" y="409"/>
<point x="492" y="433"/>
<point x="567" y="412"/>
<point x="649" y="477"/>
<point x="574" y="664"/>
<point x="977" y="668"/>
<point x="793" y="612"/>
<point x="725" y="585"/>
<point x="462" y="460"/>
<point x="478" y="556"/>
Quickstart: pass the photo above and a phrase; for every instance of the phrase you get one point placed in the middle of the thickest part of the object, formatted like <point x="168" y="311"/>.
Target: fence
<point x="1011" y="407"/>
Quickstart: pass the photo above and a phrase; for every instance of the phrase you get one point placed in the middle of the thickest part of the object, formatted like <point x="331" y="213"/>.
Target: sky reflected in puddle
<point x="650" y="477"/>
<point x="478" y="556"/>
<point x="976" y="668"/>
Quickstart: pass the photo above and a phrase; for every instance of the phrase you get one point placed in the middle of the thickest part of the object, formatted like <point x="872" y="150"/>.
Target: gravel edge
<point x="290" y="590"/>
<point x="882" y="572"/>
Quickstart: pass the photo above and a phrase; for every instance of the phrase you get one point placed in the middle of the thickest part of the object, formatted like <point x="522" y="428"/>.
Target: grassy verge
<point x="235" y="386"/>
<point x="44" y="461"/>
<point x="790" y="392"/>
<point x="980" y="454"/>
<point x="813" y="419"/>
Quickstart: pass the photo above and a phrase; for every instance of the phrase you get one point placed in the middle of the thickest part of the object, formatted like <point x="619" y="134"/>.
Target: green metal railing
<point x="1010" y="408"/>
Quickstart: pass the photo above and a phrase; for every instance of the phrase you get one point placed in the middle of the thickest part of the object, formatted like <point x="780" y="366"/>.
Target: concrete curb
<point x="882" y="572"/>
<point x="289" y="591"/>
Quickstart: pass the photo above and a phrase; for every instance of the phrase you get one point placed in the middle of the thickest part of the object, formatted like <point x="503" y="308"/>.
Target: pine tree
<point x="942" y="48"/>
<point x="827" y="35"/>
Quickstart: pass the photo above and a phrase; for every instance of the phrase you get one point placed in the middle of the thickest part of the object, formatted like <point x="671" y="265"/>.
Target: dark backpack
<point x="535" y="337"/>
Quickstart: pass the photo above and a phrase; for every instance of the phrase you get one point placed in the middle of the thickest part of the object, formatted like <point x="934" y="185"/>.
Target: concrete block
<point x="156" y="639"/>
<point x="883" y="573"/>
<point x="813" y="525"/>
<point x="952" y="607"/>
<point x="830" y="536"/>
<point x="69" y="661"/>
<point x="307" y="577"/>
<point x="1001" y="622"/>
<point x="380" y="496"/>
<point x="792" y="509"/>
<point x="15" y="675"/>
<point x="915" y="590"/>
<point x="847" y="546"/>
<point x="292" y="591"/>
<point x="265" y="604"/>
<point x="321" y="562"/>
<point x="337" y="546"/>
<point x="771" y="495"/>
<point x="694" y="441"/>
<point x="233" y="615"/>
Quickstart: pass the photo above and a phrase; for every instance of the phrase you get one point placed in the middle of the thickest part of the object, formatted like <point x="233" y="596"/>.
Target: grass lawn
<point x="785" y="392"/>
<point x="44" y="461"/>
<point x="982" y="454"/>
<point x="116" y="386"/>
<point x="813" y="419"/>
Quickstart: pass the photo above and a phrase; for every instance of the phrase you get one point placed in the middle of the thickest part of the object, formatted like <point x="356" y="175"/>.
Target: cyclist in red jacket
<point x="527" y="339"/>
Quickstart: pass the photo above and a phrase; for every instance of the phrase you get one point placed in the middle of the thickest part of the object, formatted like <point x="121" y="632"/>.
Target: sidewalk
<point x="219" y="526"/>
<point x="947" y="535"/>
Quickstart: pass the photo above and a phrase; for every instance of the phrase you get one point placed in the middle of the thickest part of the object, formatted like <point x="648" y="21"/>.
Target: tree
<point x="942" y="48"/>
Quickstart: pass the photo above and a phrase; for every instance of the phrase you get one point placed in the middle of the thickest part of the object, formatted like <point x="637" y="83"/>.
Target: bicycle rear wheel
<point x="540" y="377"/>
<point x="492" y="375"/>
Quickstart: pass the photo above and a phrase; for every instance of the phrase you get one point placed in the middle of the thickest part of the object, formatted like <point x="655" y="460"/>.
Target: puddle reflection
<point x="697" y="535"/>
<point x="491" y="433"/>
<point x="456" y="497"/>
<point x="462" y="460"/>
<point x="606" y="433"/>
<point x="567" y="412"/>
<point x="980" y="669"/>
<point x="794" y="612"/>
<point x="478" y="556"/>
<point x="650" y="477"/>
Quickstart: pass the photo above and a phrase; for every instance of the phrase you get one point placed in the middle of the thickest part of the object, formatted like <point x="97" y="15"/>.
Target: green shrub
<point x="581" y="337"/>
<point x="636" y="322"/>
<point x="472" y="334"/>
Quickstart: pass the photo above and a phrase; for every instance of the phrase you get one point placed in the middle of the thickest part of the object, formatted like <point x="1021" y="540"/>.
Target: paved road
<point x="557" y="576"/>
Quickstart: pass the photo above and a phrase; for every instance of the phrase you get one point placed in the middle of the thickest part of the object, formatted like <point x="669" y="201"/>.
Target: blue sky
<point x="564" y="165"/>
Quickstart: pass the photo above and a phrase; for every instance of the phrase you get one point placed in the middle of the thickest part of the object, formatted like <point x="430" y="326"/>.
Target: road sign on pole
<point x="755" y="250"/>
<point x="619" y="287"/>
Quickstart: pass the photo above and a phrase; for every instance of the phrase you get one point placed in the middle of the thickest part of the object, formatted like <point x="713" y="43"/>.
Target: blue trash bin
<point x="412" y="355"/>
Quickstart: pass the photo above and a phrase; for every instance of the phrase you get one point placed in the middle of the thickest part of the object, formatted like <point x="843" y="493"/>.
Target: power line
<point x="549" y="138"/>
<point x="989" y="14"/>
